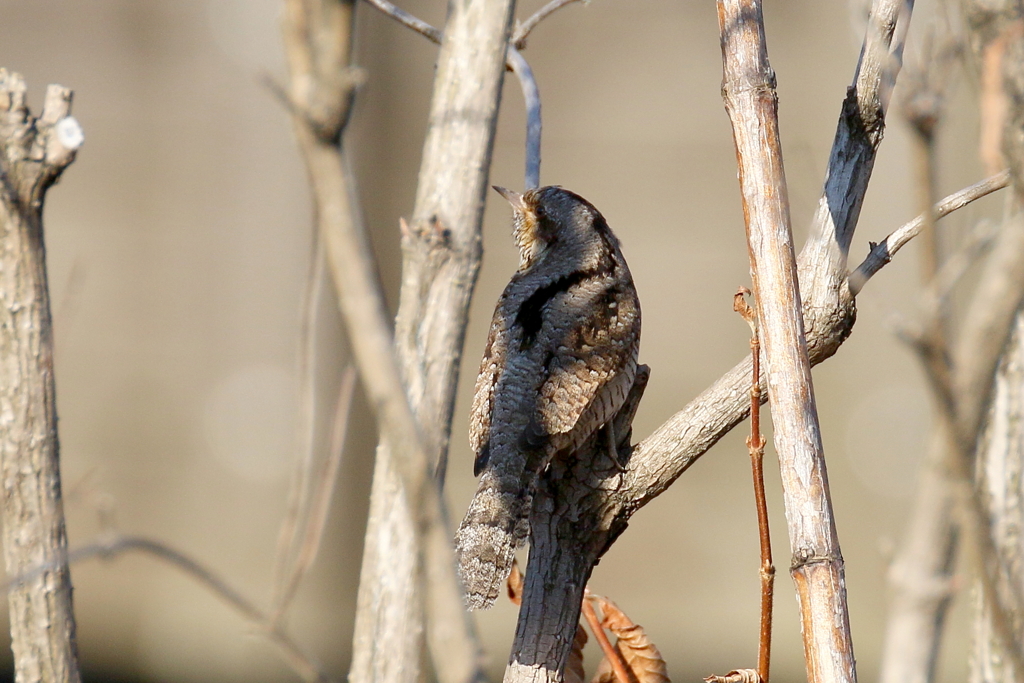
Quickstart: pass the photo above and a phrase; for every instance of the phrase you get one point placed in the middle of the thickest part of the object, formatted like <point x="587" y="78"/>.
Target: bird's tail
<point x="496" y="523"/>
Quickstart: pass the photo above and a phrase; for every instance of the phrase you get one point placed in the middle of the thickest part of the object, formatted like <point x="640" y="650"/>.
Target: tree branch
<point x="531" y="95"/>
<point x="883" y="252"/>
<point x="117" y="544"/>
<point x="817" y="567"/>
<point x="33" y="154"/>
<point x="317" y="37"/>
<point x="515" y="62"/>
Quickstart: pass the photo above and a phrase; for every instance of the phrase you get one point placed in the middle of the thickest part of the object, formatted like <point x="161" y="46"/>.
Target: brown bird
<point x="560" y="359"/>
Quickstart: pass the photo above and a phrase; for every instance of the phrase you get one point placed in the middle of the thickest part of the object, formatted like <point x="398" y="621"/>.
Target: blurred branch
<point x="817" y="568"/>
<point x="920" y="575"/>
<point x="999" y="472"/>
<point x="33" y="154"/>
<point x="948" y="511"/>
<point x="524" y="29"/>
<point x="320" y="484"/>
<point x="318" y="41"/>
<point x="117" y="544"/>
<point x="985" y="331"/>
<point x="305" y="453"/>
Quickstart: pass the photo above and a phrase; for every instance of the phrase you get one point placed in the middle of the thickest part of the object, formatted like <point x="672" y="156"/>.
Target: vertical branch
<point x="318" y="40"/>
<point x="1000" y="473"/>
<point x="33" y="153"/>
<point x="531" y="95"/>
<point x="921" y="574"/>
<point x="442" y="251"/>
<point x="817" y="566"/>
<point x="755" y="445"/>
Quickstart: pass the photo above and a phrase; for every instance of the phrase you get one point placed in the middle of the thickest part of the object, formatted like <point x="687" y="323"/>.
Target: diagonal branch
<point x="524" y="29"/>
<point x="117" y="544"/>
<point x="883" y="252"/>
<point x="318" y="43"/>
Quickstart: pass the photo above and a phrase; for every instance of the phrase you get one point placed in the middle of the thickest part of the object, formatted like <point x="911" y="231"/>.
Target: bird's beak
<point x="514" y="198"/>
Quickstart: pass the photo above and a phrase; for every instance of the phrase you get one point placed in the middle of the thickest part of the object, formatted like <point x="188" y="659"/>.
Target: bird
<point x="560" y="359"/>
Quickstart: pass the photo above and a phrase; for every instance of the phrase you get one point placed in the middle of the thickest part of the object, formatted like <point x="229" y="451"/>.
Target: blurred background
<point x="179" y="246"/>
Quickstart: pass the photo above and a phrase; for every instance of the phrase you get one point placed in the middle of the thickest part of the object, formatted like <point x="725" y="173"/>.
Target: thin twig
<point x="117" y="544"/>
<point x="302" y="476"/>
<point x="524" y="29"/>
<point x="531" y="94"/>
<point x="883" y="252"/>
<point x="611" y="653"/>
<point x="755" y="446"/>
<point x="319" y="506"/>
<point x="408" y="20"/>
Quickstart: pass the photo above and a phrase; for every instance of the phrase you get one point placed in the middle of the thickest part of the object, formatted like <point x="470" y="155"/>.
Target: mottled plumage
<point x="560" y="359"/>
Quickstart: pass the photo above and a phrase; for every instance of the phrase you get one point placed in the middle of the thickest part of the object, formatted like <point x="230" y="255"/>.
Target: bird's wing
<point x="495" y="354"/>
<point x="592" y="353"/>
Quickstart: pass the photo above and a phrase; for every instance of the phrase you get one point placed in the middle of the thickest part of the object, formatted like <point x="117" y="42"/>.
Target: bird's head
<point x="550" y="217"/>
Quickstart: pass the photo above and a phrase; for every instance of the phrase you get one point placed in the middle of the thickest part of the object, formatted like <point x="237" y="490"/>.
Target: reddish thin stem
<point x="611" y="653"/>
<point x="756" y="445"/>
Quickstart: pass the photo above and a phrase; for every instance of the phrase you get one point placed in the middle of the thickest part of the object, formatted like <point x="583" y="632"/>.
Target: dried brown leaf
<point x="736" y="676"/>
<point x="514" y="584"/>
<point x="641" y="655"/>
<point x="605" y="672"/>
<point x="574" y="667"/>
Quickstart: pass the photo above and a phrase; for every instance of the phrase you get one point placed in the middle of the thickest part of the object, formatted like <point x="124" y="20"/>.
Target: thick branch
<point x="817" y="565"/>
<point x="33" y="153"/>
<point x="442" y="250"/>
<point x="573" y="522"/>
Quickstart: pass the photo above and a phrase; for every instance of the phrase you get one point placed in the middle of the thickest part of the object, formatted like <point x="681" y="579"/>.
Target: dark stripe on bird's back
<point x="530" y="317"/>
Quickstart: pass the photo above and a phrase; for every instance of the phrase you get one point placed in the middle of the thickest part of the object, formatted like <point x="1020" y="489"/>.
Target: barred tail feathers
<point x="496" y="523"/>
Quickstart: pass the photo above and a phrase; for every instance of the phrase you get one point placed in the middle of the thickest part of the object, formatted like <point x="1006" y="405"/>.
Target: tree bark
<point x="34" y="153"/>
